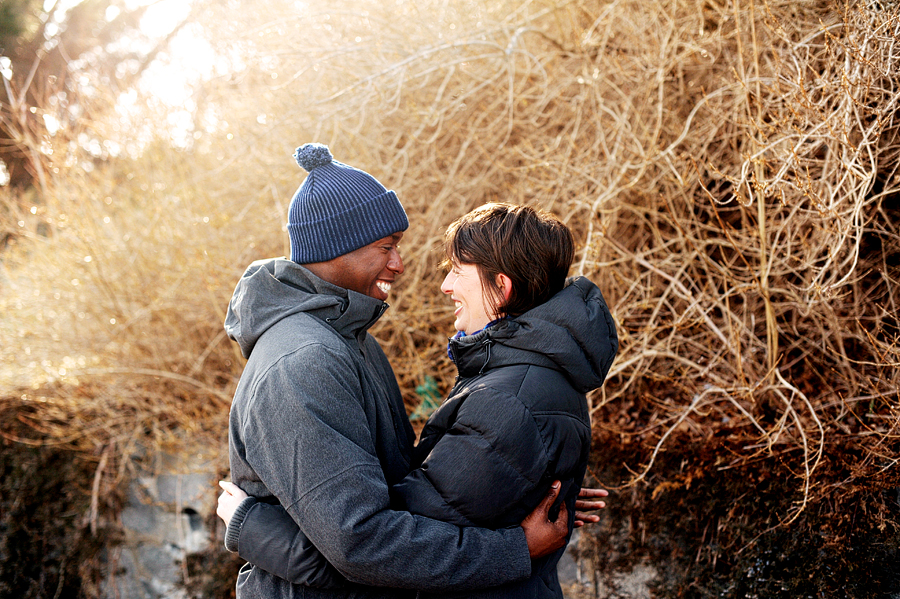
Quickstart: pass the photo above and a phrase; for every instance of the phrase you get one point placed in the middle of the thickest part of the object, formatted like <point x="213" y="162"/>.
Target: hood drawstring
<point x="450" y="345"/>
<point x="461" y="334"/>
<point x="487" y="342"/>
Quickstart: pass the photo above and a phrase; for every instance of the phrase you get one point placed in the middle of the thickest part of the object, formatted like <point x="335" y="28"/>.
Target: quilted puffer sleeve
<point x="488" y="468"/>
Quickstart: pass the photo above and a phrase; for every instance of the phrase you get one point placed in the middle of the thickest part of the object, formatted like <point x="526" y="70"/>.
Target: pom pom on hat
<point x="310" y="156"/>
<point x="338" y="208"/>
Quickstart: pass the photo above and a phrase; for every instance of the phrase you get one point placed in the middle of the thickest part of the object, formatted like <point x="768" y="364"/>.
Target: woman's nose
<point x="447" y="285"/>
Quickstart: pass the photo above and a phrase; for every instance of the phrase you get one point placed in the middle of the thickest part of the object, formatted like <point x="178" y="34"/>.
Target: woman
<point x="529" y="345"/>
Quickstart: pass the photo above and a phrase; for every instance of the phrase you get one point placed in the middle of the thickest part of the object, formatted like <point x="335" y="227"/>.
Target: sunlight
<point x="170" y="79"/>
<point x="187" y="59"/>
<point x="160" y="17"/>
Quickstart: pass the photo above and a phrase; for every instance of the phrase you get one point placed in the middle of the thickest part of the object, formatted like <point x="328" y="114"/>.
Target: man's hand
<point x="231" y="497"/>
<point x="545" y="537"/>
<point x="585" y="502"/>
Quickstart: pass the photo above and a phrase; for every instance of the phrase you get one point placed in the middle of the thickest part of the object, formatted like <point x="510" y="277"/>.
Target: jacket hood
<point x="573" y="332"/>
<point x="271" y="290"/>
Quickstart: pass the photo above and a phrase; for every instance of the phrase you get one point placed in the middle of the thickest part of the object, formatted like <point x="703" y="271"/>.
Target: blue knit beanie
<point x="338" y="208"/>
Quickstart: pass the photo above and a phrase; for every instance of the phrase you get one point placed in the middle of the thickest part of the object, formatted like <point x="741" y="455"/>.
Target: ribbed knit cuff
<point x="233" y="531"/>
<point x="519" y="559"/>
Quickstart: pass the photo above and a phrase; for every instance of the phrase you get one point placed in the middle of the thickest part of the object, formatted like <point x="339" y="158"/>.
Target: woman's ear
<point x="505" y="285"/>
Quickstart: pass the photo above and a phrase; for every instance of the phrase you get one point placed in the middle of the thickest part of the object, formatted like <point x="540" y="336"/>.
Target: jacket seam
<point x="263" y="375"/>
<point x="502" y="454"/>
<point x="329" y="479"/>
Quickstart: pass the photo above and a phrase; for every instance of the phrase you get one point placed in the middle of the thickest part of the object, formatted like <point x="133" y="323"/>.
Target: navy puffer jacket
<point x="516" y="420"/>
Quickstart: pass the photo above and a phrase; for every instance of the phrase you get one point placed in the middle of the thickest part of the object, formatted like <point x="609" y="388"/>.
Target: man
<point x="318" y="423"/>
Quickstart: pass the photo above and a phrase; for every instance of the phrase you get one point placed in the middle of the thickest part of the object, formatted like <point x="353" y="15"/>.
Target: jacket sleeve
<point x="267" y="537"/>
<point x="310" y="443"/>
<point x="489" y="468"/>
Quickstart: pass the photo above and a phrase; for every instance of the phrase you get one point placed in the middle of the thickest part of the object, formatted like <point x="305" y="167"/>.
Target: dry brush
<point x="729" y="169"/>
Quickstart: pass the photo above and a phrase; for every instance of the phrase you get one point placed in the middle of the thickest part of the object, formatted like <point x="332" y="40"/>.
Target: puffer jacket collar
<point x="573" y="333"/>
<point x="271" y="290"/>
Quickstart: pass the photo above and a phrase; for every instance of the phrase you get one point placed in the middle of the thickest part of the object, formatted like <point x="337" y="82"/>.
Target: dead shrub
<point x="730" y="172"/>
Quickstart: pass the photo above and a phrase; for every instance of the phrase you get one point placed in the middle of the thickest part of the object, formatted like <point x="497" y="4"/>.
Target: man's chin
<point x="381" y="291"/>
<point x="378" y="294"/>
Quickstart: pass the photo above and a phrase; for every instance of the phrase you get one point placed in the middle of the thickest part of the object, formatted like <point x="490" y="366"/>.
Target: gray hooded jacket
<point x="318" y="426"/>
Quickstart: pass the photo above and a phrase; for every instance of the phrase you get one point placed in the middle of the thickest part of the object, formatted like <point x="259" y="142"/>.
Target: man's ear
<point x="505" y="285"/>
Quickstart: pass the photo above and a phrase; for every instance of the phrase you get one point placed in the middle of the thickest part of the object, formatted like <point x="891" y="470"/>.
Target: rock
<point x="163" y="521"/>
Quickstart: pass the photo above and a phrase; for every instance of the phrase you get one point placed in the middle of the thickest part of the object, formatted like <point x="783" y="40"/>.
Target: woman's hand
<point x="231" y="497"/>
<point x="586" y="501"/>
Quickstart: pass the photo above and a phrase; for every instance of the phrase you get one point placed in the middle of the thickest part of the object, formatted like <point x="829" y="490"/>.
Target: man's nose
<point x="395" y="264"/>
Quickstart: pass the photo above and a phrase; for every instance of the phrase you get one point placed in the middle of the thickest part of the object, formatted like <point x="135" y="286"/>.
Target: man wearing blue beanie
<point x="318" y="424"/>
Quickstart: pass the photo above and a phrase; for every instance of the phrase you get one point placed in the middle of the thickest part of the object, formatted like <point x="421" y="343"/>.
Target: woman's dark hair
<point x="532" y="247"/>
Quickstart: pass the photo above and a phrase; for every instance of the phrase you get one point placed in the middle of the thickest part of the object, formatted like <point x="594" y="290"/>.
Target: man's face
<point x="371" y="269"/>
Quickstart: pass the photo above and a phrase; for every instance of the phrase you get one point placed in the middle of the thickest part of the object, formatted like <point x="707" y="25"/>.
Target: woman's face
<point x="473" y="309"/>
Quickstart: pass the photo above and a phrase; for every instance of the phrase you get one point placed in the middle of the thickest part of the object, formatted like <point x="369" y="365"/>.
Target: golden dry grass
<point x="729" y="169"/>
